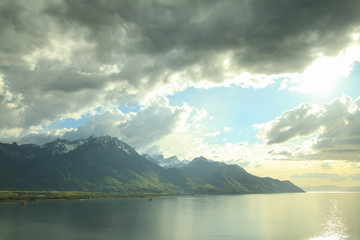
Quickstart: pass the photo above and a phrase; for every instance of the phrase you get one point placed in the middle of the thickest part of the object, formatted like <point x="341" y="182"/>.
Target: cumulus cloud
<point x="227" y="129"/>
<point x="141" y="129"/>
<point x="106" y="122"/>
<point x="148" y="125"/>
<point x="333" y="130"/>
<point x="64" y="58"/>
<point x="301" y="121"/>
<point x="212" y="134"/>
<point x="10" y="109"/>
<point x="39" y="137"/>
<point x="151" y="124"/>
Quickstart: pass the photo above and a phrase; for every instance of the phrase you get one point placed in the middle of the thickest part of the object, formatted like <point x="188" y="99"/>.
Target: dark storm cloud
<point x="21" y="31"/>
<point x="64" y="58"/>
<point x="263" y="36"/>
<point x="73" y="82"/>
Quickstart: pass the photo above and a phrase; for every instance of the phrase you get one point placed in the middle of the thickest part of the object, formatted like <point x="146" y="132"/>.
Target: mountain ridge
<point x="220" y="177"/>
<point x="170" y="162"/>
<point x="107" y="164"/>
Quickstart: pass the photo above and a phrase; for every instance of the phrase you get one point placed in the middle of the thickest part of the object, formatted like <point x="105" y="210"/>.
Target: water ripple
<point x="334" y="228"/>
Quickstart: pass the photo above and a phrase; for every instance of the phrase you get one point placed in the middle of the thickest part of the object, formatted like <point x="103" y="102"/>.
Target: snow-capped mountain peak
<point x="112" y="142"/>
<point x="171" y="162"/>
<point x="62" y="146"/>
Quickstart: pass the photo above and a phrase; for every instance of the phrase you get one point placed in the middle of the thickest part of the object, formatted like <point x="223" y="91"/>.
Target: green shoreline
<point x="10" y="196"/>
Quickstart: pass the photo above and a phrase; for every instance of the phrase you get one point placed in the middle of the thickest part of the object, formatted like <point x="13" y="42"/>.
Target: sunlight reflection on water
<point x="314" y="216"/>
<point x="334" y="228"/>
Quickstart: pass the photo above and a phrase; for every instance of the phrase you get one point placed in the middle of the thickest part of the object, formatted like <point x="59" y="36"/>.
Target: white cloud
<point x="140" y="129"/>
<point x="332" y="131"/>
<point x="10" y="110"/>
<point x="212" y="134"/>
<point x="301" y="121"/>
<point x="227" y="129"/>
<point x="152" y="122"/>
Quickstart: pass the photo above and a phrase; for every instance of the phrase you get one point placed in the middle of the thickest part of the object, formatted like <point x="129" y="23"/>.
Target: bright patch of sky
<point x="68" y="123"/>
<point x="239" y="108"/>
<point x="234" y="110"/>
<point x="125" y="108"/>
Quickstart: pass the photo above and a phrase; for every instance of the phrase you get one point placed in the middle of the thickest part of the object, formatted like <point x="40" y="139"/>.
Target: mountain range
<point x="171" y="162"/>
<point x="106" y="164"/>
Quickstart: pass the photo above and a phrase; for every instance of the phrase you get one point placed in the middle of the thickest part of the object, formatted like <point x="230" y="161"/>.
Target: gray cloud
<point x="267" y="37"/>
<point x="335" y="125"/>
<point x="21" y="31"/>
<point x="104" y="123"/>
<point x="64" y="58"/>
<point x="39" y="138"/>
<point x="139" y="129"/>
<point x="294" y="123"/>
<point x="150" y="125"/>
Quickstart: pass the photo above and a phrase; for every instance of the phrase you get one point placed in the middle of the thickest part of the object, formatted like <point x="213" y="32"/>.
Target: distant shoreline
<point x="36" y="196"/>
<point x="332" y="192"/>
<point x="45" y="196"/>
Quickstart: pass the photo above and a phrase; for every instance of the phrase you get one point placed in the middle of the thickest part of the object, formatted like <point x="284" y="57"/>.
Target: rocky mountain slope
<point x="109" y="165"/>
<point x="171" y="162"/>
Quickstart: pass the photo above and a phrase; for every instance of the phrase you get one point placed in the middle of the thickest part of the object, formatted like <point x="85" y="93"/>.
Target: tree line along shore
<point x="68" y="195"/>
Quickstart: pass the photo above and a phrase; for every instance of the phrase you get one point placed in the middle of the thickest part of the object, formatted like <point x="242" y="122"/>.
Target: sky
<point x="272" y="86"/>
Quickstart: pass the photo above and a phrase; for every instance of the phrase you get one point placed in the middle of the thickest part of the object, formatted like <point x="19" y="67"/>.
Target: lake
<point x="312" y="216"/>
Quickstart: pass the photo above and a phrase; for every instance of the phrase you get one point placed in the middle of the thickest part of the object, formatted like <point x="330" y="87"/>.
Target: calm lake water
<point x="264" y="216"/>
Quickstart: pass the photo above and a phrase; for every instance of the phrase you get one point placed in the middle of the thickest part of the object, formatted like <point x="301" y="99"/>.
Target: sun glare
<point x="356" y="36"/>
<point x="324" y="74"/>
<point x="320" y="77"/>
